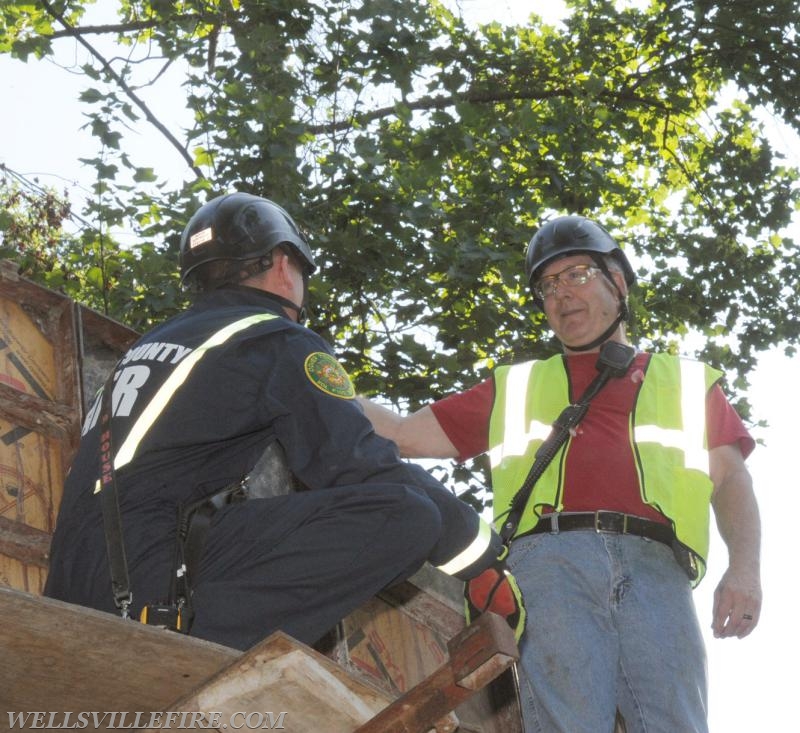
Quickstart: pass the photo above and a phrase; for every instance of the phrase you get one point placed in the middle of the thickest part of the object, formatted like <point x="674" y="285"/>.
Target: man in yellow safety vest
<point x="614" y="534"/>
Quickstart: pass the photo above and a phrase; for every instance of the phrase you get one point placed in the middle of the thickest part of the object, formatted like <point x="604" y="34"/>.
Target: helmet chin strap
<point x="621" y="316"/>
<point x="264" y="263"/>
<point x="603" y="337"/>
<point x="286" y="303"/>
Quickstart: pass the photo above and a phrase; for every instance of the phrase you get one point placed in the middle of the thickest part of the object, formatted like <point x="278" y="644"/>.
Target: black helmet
<point x="238" y="227"/>
<point x="566" y="235"/>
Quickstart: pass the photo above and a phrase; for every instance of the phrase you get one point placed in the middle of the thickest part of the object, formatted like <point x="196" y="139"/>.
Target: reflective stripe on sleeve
<point x="472" y="553"/>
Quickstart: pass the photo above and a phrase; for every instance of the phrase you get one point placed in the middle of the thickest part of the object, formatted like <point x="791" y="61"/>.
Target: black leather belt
<point x="612" y="522"/>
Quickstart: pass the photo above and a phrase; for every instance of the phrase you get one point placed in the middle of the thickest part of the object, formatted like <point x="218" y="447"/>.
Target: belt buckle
<point x="598" y="523"/>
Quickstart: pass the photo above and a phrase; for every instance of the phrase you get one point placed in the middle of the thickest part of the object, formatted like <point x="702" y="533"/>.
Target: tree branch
<point x="151" y="118"/>
<point x="477" y="97"/>
<point x="133" y="25"/>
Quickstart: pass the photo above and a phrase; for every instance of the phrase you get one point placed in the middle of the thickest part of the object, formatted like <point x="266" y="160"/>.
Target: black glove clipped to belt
<point x="496" y="590"/>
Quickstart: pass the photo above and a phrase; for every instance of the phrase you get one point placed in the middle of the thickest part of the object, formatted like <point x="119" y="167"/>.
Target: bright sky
<point x="753" y="681"/>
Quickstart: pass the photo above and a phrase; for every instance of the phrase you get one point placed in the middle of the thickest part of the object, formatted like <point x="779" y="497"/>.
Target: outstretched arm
<point x="737" y="599"/>
<point x="468" y="545"/>
<point x="417" y="435"/>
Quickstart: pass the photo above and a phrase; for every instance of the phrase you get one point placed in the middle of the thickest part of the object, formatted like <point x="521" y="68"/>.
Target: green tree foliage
<point x="53" y="246"/>
<point x="421" y="154"/>
<point x="31" y="233"/>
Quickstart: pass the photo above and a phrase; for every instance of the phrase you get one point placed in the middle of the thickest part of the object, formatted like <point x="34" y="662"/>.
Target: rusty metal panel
<point x="45" y="339"/>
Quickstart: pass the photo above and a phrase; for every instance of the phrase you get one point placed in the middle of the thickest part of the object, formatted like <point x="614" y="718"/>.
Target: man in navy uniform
<point x="219" y="403"/>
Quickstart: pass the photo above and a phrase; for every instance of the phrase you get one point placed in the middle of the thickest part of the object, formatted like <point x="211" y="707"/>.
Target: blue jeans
<point x="611" y="624"/>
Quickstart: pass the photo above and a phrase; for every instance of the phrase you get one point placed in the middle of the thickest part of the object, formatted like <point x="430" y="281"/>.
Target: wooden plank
<point x="27" y="544"/>
<point x="52" y="352"/>
<point x="390" y="647"/>
<point x="31" y="475"/>
<point x="288" y="684"/>
<point x="26" y="329"/>
<point x="34" y="412"/>
<point x="432" y="598"/>
<point x="16" y="573"/>
<point x="100" y="330"/>
<point x="63" y="334"/>
<point x="478" y="655"/>
<point x="60" y="657"/>
<point x="57" y="656"/>
<point x="400" y="637"/>
<point x="101" y="342"/>
<point x="284" y="681"/>
<point x="20" y="288"/>
<point x="38" y="419"/>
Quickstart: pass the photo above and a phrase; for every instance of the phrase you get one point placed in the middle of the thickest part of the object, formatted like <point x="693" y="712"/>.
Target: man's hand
<point x="737" y="599"/>
<point x="737" y="604"/>
<point x="496" y="590"/>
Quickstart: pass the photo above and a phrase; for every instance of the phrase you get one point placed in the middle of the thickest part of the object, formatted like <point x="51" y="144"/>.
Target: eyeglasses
<point x="572" y="277"/>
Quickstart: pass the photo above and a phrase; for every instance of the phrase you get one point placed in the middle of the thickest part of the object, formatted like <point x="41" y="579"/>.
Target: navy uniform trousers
<point x="303" y="561"/>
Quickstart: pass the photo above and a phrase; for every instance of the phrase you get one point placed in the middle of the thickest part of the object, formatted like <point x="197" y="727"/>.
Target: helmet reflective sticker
<point x="201" y="237"/>
<point x="328" y="375"/>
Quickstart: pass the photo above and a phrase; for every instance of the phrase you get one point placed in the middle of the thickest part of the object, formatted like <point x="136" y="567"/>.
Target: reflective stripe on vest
<point x="667" y="433"/>
<point x="520" y="422"/>
<point x="517" y="434"/>
<point x="473" y="552"/>
<point x="672" y="448"/>
<point x="178" y="376"/>
<point x="691" y="437"/>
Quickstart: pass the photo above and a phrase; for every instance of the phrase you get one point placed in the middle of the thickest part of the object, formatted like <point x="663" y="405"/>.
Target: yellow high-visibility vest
<point x="667" y="434"/>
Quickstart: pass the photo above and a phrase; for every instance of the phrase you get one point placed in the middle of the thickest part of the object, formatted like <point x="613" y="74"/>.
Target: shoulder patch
<point x="328" y="375"/>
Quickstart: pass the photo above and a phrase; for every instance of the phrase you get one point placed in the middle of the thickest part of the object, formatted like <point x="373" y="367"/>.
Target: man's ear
<point x="619" y="280"/>
<point x="282" y="262"/>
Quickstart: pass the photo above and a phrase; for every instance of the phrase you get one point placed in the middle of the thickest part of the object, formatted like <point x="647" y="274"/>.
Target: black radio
<point x="171" y="617"/>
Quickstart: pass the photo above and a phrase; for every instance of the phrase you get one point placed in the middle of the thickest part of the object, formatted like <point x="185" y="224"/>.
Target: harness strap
<point x="109" y="500"/>
<point x="194" y="522"/>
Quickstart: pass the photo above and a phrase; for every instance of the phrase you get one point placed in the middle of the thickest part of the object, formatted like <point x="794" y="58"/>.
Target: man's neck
<point x="620" y="338"/>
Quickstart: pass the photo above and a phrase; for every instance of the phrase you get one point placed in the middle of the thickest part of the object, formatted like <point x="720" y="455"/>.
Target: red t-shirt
<point x="600" y="471"/>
